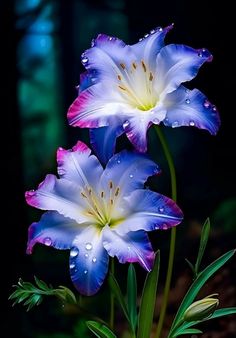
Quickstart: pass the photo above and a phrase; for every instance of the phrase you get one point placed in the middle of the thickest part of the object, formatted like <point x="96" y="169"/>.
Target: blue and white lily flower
<point x="97" y="213"/>
<point x="128" y="88"/>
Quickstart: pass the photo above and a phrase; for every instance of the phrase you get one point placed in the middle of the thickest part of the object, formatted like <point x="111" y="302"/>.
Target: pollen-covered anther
<point x="144" y="66"/>
<point x="119" y="77"/>
<point x="122" y="65"/>
<point x="122" y="88"/>
<point x="110" y="184"/>
<point x="111" y="201"/>
<point x="117" y="191"/>
<point x="102" y="194"/>
<point x="83" y="195"/>
<point x="134" y="65"/>
<point x="150" y="76"/>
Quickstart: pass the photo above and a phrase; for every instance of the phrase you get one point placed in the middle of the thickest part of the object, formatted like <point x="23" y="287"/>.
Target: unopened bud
<point x="201" y="309"/>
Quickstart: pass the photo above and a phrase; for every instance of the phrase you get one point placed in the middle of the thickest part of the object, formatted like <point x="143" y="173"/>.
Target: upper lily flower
<point x="129" y="88"/>
<point x="98" y="212"/>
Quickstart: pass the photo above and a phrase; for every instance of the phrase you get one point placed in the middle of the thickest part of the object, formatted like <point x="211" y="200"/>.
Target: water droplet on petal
<point x="214" y="108"/>
<point x="118" y="161"/>
<point x="88" y="246"/>
<point x="164" y="226"/>
<point x="72" y="265"/>
<point x="47" y="241"/>
<point x="94" y="260"/>
<point x="131" y="175"/>
<point x="175" y="124"/>
<point x="192" y="123"/>
<point x="206" y="104"/>
<point x="74" y="252"/>
<point x="86" y="255"/>
<point x="160" y="29"/>
<point x="84" y="60"/>
<point x="85" y="272"/>
<point x="152" y="31"/>
<point x="161" y="209"/>
<point x="200" y="54"/>
<point x="140" y="39"/>
<point x="110" y="38"/>
<point x="156" y="121"/>
<point x="187" y="101"/>
<point x="156" y="227"/>
<point x="126" y="124"/>
<point x="146" y="35"/>
<point x="128" y="247"/>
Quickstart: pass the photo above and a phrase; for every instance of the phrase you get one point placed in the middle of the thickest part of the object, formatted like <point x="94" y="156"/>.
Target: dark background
<point x="41" y="43"/>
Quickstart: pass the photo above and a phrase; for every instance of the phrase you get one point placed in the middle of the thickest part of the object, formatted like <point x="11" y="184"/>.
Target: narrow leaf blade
<point x="203" y="243"/>
<point x="118" y="294"/>
<point x="198" y="283"/>
<point x="148" y="300"/>
<point x="100" y="330"/>
<point x="188" y="331"/>
<point x="132" y="296"/>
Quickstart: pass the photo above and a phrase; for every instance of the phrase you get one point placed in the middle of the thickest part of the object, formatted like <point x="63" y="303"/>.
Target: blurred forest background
<point x="41" y="44"/>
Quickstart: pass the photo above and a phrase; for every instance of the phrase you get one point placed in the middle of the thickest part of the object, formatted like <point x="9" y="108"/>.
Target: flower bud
<point x="201" y="309"/>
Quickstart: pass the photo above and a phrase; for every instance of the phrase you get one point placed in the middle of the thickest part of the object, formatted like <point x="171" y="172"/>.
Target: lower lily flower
<point x="97" y="213"/>
<point x="128" y="88"/>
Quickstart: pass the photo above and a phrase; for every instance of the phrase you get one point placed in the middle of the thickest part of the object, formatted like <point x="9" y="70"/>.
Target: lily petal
<point x="53" y="230"/>
<point x="191" y="108"/>
<point x="176" y="64"/>
<point x="88" y="261"/>
<point x="128" y="171"/>
<point x="148" y="48"/>
<point x="149" y="211"/>
<point x="133" y="247"/>
<point x="78" y="165"/>
<point x="59" y="195"/>
<point x="103" y="140"/>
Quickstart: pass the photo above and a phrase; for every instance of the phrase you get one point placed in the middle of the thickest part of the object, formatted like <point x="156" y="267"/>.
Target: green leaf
<point x="188" y="331"/>
<point x="41" y="284"/>
<point x="148" y="300"/>
<point x="132" y="296"/>
<point x="100" y="330"/>
<point x="67" y="294"/>
<point x="190" y="265"/>
<point x="198" y="283"/>
<point x="203" y="243"/>
<point x="118" y="294"/>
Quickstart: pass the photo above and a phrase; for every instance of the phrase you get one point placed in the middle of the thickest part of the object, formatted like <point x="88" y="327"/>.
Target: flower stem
<point x="112" y="299"/>
<point x="173" y="231"/>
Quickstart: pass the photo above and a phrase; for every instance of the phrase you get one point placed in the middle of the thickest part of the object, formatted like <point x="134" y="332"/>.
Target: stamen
<point x="102" y="194"/>
<point x="119" y="77"/>
<point x="122" y="88"/>
<point x="134" y="65"/>
<point x="90" y="213"/>
<point x="83" y="195"/>
<point x="90" y="191"/>
<point x="117" y="191"/>
<point x="110" y="184"/>
<point x="122" y="65"/>
<point x="144" y="66"/>
<point x="111" y="200"/>
<point x="150" y="77"/>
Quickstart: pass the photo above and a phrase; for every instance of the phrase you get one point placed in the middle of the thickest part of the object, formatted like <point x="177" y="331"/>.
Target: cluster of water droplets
<point x="88" y="256"/>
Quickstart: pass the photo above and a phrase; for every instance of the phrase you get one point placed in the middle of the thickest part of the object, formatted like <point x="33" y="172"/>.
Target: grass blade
<point x="132" y="296"/>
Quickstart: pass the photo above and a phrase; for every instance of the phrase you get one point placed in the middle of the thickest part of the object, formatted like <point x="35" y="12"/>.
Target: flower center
<point x="100" y="206"/>
<point x="136" y="86"/>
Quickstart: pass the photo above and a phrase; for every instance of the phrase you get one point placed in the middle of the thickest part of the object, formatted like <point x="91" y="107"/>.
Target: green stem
<point x="112" y="299"/>
<point x="173" y="231"/>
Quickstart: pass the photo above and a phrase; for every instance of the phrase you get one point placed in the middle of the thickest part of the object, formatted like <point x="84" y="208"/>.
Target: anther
<point x="117" y="191"/>
<point x="102" y="194"/>
<point x="119" y="77"/>
<point x="122" y="88"/>
<point x="111" y="201"/>
<point x="83" y="195"/>
<point x="122" y="65"/>
<point x="110" y="184"/>
<point x="144" y="66"/>
<point x="134" y="65"/>
<point x="150" y="77"/>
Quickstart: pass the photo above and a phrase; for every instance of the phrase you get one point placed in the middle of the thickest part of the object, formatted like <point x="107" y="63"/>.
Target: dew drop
<point x="94" y="260"/>
<point x="72" y="265"/>
<point x="47" y="241"/>
<point x="152" y="31"/>
<point x="156" y="121"/>
<point x="126" y="124"/>
<point x="84" y="60"/>
<point x="187" y="101"/>
<point x="131" y="175"/>
<point x="156" y="227"/>
<point x="214" y="108"/>
<point x="85" y="272"/>
<point x="206" y="104"/>
<point x="141" y="39"/>
<point x="88" y="246"/>
<point x="74" y="252"/>
<point x="161" y="209"/>
<point x="118" y="161"/>
<point x="128" y="247"/>
<point x="86" y="255"/>
<point x="160" y="29"/>
<point x="164" y="226"/>
<point x="110" y="38"/>
<point x="192" y="123"/>
<point x="175" y="124"/>
<point x="146" y="35"/>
